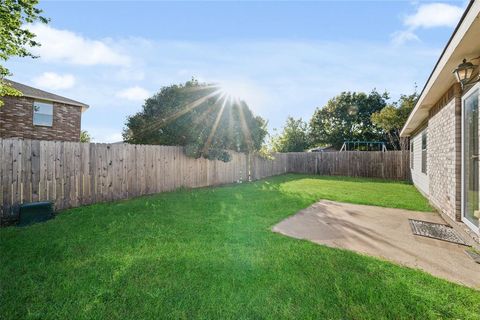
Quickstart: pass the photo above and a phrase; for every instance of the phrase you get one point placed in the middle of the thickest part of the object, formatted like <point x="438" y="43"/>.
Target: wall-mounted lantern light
<point x="464" y="73"/>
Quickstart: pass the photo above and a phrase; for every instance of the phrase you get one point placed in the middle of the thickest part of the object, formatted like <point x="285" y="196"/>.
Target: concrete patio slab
<point x="385" y="233"/>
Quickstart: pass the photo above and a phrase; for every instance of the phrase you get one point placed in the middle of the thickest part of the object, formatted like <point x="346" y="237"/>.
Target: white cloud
<point x="109" y="138"/>
<point x="103" y="134"/>
<point x="401" y="37"/>
<point x="310" y="73"/>
<point x="135" y="93"/>
<point x="433" y="15"/>
<point x="54" y="81"/>
<point x="69" y="47"/>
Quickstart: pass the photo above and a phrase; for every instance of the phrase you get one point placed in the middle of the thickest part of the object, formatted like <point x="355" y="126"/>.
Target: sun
<point x="232" y="91"/>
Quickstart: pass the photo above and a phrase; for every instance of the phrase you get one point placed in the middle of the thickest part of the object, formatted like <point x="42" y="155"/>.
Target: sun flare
<point x="232" y="91"/>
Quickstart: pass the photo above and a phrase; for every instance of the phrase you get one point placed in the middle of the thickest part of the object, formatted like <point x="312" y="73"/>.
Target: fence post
<point x="73" y="174"/>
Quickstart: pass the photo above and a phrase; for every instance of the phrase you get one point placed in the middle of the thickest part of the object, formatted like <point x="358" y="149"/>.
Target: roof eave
<point x="405" y="132"/>
<point x="76" y="104"/>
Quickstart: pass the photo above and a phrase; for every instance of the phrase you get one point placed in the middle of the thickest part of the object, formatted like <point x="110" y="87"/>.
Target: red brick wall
<point x="16" y="120"/>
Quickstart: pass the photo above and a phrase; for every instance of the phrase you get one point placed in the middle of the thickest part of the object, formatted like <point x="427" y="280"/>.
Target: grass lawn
<point x="209" y="253"/>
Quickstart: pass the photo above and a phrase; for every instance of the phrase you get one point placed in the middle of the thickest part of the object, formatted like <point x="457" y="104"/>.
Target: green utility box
<point x="34" y="212"/>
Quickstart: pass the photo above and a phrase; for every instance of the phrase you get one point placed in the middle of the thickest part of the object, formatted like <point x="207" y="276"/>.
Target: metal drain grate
<point x="436" y="231"/>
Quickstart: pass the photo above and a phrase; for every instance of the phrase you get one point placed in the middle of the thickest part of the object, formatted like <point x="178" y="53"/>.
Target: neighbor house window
<point x="42" y="114"/>
<point x="411" y="156"/>
<point x="424" y="152"/>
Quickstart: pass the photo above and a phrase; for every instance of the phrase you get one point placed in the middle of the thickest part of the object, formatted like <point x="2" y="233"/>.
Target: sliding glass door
<point x="471" y="172"/>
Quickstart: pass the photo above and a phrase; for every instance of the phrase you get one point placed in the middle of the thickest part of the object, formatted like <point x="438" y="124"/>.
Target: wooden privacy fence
<point x="393" y="165"/>
<point x="262" y="168"/>
<point x="72" y="174"/>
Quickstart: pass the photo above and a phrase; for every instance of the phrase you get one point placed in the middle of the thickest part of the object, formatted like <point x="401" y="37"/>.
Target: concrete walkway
<point x="384" y="233"/>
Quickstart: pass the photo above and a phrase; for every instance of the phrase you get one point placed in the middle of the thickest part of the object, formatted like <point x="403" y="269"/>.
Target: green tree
<point x="199" y="117"/>
<point x="392" y="118"/>
<point x="15" y="38"/>
<point x="85" y="137"/>
<point x="347" y="117"/>
<point x="293" y="138"/>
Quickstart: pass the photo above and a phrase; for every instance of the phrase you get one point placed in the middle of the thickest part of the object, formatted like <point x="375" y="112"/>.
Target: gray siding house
<point x="444" y="128"/>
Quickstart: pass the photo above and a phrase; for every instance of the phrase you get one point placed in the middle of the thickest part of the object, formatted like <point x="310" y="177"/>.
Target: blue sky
<point x="283" y="58"/>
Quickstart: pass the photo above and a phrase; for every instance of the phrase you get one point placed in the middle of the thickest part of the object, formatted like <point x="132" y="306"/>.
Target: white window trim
<point x="473" y="227"/>
<point x="33" y="113"/>
<point x="424" y="132"/>
<point x="412" y="155"/>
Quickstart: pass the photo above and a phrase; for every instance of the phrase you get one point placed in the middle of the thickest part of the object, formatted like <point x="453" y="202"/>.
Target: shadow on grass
<point x="345" y="178"/>
<point x="207" y="253"/>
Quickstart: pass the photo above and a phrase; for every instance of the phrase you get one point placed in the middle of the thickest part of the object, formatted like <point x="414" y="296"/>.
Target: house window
<point x="42" y="114"/>
<point x="424" y="152"/>
<point x="412" y="155"/>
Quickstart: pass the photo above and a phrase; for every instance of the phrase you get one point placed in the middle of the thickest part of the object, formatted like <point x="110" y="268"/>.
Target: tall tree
<point x="15" y="38"/>
<point x="200" y="117"/>
<point x="392" y="118"/>
<point x="347" y="117"/>
<point x="293" y="138"/>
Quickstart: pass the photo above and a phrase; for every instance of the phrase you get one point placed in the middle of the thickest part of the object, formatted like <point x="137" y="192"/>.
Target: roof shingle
<point x="31" y="92"/>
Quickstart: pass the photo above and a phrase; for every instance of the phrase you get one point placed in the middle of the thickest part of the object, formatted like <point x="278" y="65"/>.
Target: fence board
<point x="385" y="165"/>
<point x="72" y="174"/>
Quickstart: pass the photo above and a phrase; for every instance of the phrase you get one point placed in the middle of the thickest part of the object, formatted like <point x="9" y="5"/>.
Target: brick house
<point x="40" y="115"/>
<point x="444" y="128"/>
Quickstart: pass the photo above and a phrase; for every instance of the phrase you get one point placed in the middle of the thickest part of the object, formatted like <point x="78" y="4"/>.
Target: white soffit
<point x="465" y="44"/>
